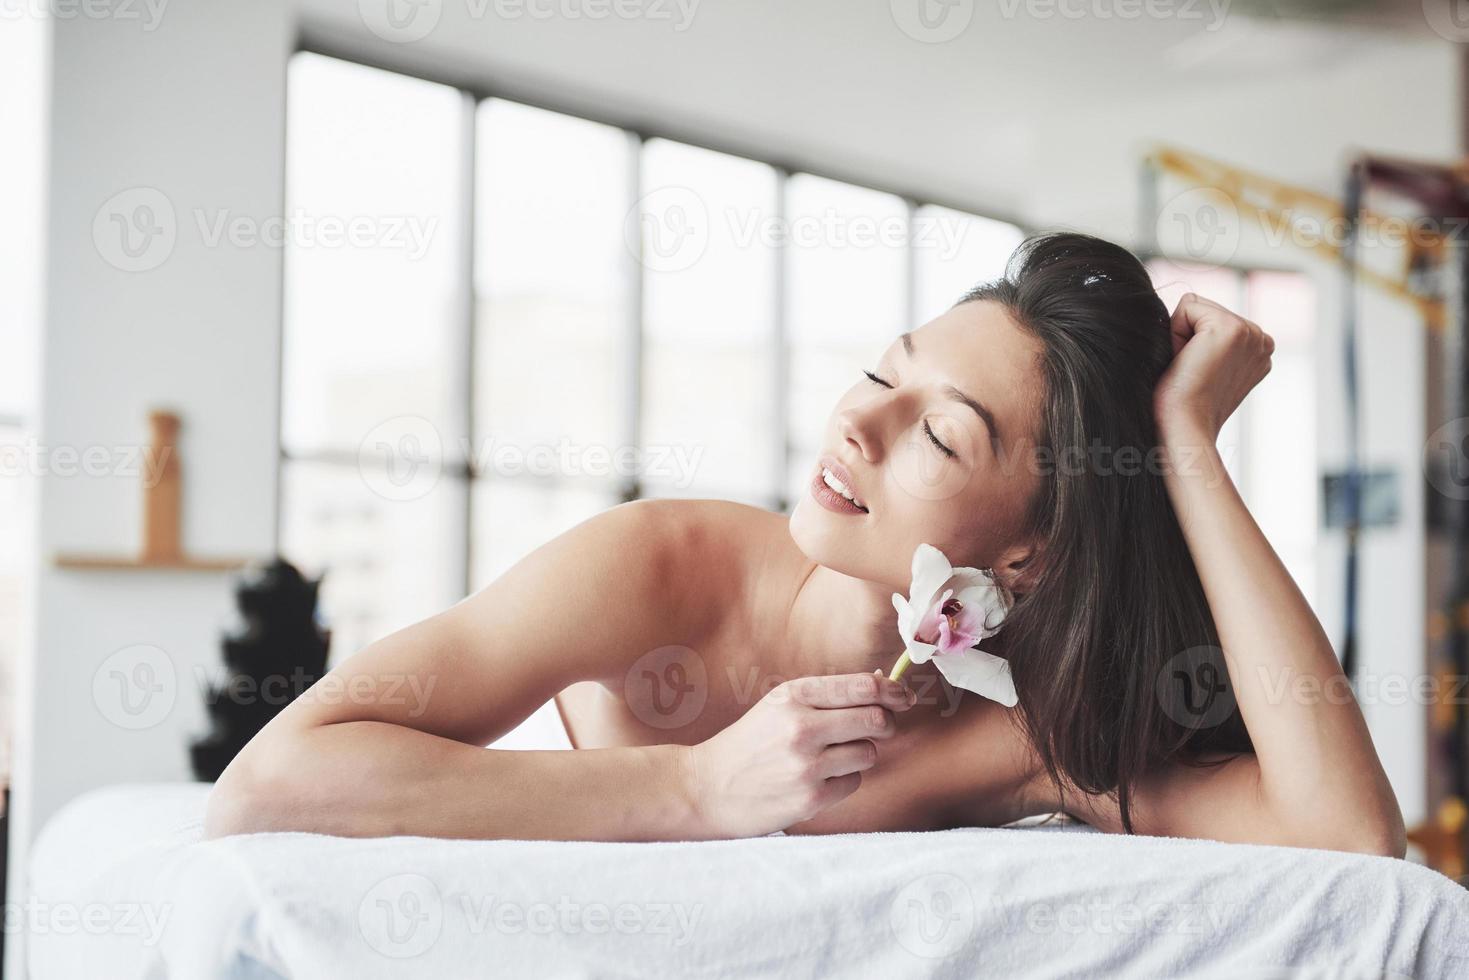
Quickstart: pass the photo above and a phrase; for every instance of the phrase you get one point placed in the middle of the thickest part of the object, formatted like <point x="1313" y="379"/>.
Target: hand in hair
<point x="1218" y="357"/>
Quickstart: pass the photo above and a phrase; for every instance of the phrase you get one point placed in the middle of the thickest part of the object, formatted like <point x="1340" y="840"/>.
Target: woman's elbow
<point x="251" y="796"/>
<point x="1381" y="836"/>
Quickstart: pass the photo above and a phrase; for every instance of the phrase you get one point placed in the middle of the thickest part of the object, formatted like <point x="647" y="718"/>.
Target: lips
<point x="843" y="476"/>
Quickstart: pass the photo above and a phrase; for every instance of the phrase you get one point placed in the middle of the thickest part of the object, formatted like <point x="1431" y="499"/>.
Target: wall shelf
<point x="125" y="563"/>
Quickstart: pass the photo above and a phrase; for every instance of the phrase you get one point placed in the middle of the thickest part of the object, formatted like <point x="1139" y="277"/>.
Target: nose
<point x="861" y="428"/>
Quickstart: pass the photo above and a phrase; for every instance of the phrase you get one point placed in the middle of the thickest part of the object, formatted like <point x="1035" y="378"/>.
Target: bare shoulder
<point x="629" y="579"/>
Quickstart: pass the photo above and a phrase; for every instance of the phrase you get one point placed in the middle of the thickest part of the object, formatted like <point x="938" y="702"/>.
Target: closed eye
<point x="927" y="429"/>
<point x="934" y="439"/>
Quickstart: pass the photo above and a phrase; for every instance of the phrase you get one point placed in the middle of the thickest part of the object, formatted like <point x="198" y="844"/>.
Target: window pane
<point x="705" y="223"/>
<point x="389" y="561"/>
<point x="372" y="254"/>
<point x="1225" y="287"/>
<point x="551" y="275"/>
<point x="1281" y="427"/>
<point x="514" y="517"/>
<point x="846" y="295"/>
<point x="952" y="253"/>
<point x="15" y="523"/>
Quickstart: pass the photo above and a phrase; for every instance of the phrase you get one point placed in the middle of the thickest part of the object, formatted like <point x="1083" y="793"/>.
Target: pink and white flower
<point x="947" y="612"/>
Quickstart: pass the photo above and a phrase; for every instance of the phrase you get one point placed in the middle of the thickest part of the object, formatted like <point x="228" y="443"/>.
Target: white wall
<point x="191" y="109"/>
<point x="1012" y="115"/>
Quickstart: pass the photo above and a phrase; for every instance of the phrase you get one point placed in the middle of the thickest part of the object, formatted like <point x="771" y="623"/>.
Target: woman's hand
<point x="802" y="748"/>
<point x="1218" y="356"/>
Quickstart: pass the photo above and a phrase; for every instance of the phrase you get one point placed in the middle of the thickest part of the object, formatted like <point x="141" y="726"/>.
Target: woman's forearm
<point x="371" y="779"/>
<point x="1318" y="769"/>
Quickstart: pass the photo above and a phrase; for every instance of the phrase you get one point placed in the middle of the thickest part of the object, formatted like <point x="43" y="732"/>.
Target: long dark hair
<point x="1115" y="606"/>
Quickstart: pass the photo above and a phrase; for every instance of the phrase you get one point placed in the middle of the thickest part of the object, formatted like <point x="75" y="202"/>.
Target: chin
<point x="827" y="539"/>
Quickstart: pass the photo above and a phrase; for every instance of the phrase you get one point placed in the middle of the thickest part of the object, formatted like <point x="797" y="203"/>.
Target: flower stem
<point x="900" y="667"/>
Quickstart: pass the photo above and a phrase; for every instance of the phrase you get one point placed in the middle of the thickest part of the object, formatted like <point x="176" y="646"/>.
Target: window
<point x="372" y="424"/>
<point x="539" y="316"/>
<point x="1261" y="443"/>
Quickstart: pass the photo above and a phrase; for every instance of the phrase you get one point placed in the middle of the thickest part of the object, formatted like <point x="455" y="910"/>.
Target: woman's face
<point x="925" y="463"/>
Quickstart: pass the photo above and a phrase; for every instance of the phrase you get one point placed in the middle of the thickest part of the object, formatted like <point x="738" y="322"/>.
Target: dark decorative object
<point x="273" y="657"/>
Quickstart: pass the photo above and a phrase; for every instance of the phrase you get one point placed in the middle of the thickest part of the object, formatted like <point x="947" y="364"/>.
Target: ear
<point x="1018" y="568"/>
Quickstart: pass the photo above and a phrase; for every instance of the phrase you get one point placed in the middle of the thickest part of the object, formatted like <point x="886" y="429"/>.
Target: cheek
<point x="922" y="473"/>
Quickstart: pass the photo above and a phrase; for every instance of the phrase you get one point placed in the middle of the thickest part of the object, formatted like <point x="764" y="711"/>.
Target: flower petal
<point x="983" y="673"/>
<point x="907" y="622"/>
<point x="920" y="652"/>
<point x="984" y="608"/>
<point x="930" y="571"/>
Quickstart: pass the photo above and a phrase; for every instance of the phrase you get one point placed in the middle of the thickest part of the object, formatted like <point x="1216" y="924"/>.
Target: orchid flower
<point x="947" y="612"/>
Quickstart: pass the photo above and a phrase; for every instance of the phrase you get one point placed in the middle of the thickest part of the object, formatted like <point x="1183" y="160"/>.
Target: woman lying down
<point x="1022" y="497"/>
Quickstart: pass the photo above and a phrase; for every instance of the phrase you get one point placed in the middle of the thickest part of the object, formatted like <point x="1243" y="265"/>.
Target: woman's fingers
<point x="833" y="726"/>
<point x="850" y="690"/>
<point x="845" y="757"/>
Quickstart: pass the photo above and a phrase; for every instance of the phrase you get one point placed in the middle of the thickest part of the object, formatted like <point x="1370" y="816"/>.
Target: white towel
<point x="958" y="903"/>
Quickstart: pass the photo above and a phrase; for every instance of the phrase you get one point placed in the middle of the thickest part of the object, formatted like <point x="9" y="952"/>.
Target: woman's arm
<point x="1315" y="779"/>
<point x="390" y="742"/>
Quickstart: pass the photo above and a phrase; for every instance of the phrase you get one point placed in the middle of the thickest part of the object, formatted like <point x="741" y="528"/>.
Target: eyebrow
<point x="959" y="396"/>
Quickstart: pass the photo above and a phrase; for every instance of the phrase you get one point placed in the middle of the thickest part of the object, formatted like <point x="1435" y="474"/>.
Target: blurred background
<point x="426" y="282"/>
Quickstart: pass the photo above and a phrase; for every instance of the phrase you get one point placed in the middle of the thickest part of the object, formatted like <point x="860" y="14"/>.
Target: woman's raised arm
<point x="1315" y="779"/>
